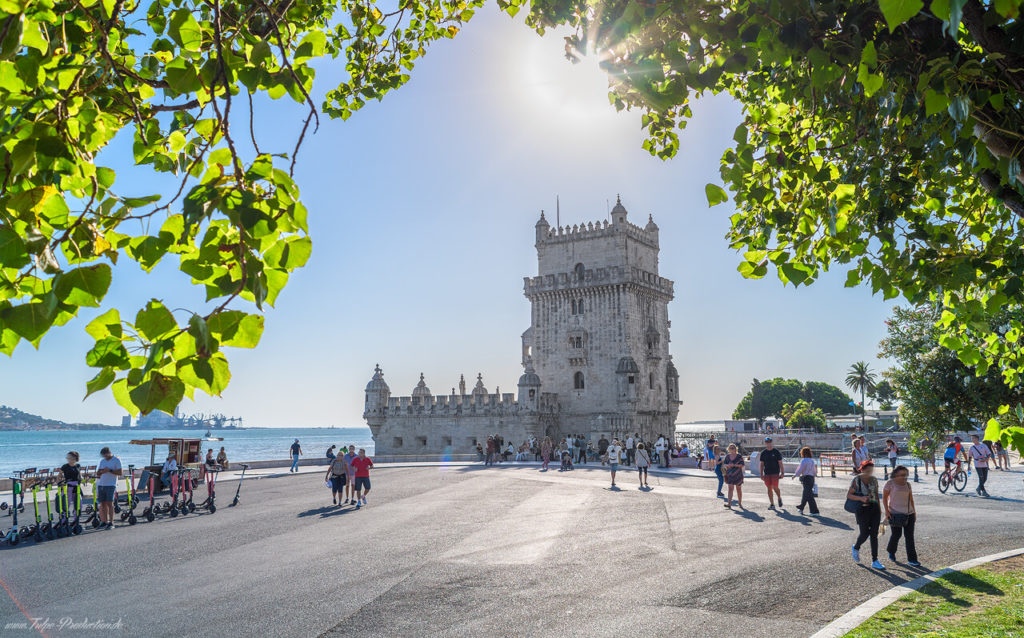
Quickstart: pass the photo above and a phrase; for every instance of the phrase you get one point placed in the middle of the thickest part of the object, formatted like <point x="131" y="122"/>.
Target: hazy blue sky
<point x="422" y="211"/>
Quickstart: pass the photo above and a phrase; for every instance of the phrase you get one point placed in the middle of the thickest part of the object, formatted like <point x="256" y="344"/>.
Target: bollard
<point x="886" y="477"/>
<point x="916" y="479"/>
<point x="833" y="470"/>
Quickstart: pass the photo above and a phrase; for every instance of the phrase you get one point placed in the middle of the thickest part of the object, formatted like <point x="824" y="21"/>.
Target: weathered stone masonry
<point x="595" y="357"/>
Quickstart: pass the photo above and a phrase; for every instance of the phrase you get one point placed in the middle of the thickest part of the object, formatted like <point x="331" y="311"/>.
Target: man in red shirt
<point x="362" y="464"/>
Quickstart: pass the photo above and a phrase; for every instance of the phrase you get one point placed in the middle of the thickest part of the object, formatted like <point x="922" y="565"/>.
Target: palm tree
<point x="861" y="378"/>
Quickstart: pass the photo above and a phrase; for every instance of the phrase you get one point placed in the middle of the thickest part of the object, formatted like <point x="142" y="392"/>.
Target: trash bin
<point x="755" y="463"/>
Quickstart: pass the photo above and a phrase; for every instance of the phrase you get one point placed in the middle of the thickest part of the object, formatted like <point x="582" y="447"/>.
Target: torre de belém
<point x="595" y="357"/>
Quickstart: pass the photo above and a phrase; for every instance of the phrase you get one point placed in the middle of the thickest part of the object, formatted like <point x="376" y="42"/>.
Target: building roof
<point x="627" y="365"/>
<point x="421" y="389"/>
<point x="377" y="382"/>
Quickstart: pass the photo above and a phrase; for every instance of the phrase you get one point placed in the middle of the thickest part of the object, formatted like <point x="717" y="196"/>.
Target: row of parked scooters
<point x="68" y="516"/>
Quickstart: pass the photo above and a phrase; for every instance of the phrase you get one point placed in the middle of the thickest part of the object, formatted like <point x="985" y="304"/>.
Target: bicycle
<point x="957" y="478"/>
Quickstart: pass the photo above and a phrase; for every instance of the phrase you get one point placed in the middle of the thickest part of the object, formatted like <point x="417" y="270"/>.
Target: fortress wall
<point x="432" y="434"/>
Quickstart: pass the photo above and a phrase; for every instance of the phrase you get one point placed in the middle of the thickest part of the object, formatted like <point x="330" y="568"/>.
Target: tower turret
<point x="529" y="389"/>
<point x="618" y="212"/>
<point x="543" y="227"/>
<point x="377" y="395"/>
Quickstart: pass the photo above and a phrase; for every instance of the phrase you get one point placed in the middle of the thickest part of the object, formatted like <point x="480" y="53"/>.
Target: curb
<point x="859" y="614"/>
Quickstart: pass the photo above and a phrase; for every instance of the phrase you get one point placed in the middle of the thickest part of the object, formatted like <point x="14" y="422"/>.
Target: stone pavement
<point x="464" y="551"/>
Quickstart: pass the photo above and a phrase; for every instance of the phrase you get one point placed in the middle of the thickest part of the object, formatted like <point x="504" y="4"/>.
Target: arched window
<point x="579" y="272"/>
<point x="577" y="381"/>
<point x="652" y="381"/>
<point x="579" y="307"/>
<point x="573" y="306"/>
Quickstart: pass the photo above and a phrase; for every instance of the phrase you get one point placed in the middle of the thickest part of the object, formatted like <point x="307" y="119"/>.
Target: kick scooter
<point x="128" y="514"/>
<point x="13" y="535"/>
<point x="239" y="488"/>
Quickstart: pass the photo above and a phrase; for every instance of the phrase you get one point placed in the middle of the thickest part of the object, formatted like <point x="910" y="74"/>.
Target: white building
<point x="595" y="357"/>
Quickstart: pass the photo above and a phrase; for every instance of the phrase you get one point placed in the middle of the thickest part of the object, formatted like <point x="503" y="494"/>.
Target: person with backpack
<point x="643" y="461"/>
<point x="980" y="454"/>
<point x="864" y="490"/>
<point x="337" y="475"/>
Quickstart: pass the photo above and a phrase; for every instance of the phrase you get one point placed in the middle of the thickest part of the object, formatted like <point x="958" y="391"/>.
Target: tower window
<point x="632" y="379"/>
<point x="652" y="381"/>
<point x="579" y="272"/>
<point x="573" y="306"/>
<point x="577" y="381"/>
<point x="579" y="307"/>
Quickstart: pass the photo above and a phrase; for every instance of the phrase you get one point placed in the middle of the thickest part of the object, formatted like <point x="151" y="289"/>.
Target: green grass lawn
<point x="984" y="602"/>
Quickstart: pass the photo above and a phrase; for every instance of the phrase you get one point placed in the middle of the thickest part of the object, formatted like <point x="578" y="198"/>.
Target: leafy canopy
<point x="883" y="137"/>
<point x="771" y="396"/>
<point x="181" y="76"/>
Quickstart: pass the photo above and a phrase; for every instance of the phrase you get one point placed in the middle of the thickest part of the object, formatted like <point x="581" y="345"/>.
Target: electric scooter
<point x="171" y="506"/>
<point x="94" y="515"/>
<point x="61" y="507"/>
<point x="76" y="526"/>
<point x="48" y="529"/>
<point x="128" y="514"/>
<point x="13" y="536"/>
<point x="239" y="489"/>
<point x="187" y="505"/>
<point x="150" y="512"/>
<point x="211" y="493"/>
<point x="34" y="529"/>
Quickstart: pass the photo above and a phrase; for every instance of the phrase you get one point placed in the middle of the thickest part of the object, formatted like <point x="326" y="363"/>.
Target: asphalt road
<point x="473" y="551"/>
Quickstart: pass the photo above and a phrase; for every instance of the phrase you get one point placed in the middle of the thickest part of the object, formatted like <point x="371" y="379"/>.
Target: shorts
<point x="362" y="482"/>
<point x="771" y="480"/>
<point x="105" y="493"/>
<point x="337" y="482"/>
<point x="614" y="467"/>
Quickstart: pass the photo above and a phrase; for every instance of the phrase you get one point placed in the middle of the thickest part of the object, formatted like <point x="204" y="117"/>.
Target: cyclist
<point x="954" y="453"/>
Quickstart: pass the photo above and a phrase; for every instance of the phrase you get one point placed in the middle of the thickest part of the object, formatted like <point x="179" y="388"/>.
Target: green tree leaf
<point x="897" y="12"/>
<point x="155" y="321"/>
<point x="715" y="194"/>
<point x="84" y="286"/>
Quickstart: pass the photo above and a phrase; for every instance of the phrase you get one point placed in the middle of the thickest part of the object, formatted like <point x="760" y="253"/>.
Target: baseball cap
<point x="767" y="439"/>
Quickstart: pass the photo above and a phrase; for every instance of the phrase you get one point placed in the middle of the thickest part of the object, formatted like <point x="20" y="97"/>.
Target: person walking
<point x="715" y="460"/>
<point x="733" y="464"/>
<point x="362" y="465"/>
<point x="643" y="461"/>
<point x="631" y="450"/>
<point x="859" y="455"/>
<point x="602" y="447"/>
<point x="107" y="472"/>
<point x="582" y="440"/>
<point x="350" y="482"/>
<point x="806" y="472"/>
<point x="980" y="454"/>
<point x="296" y="451"/>
<point x="1002" y="457"/>
<point x="893" y="451"/>
<point x="545" y="453"/>
<point x="926" y="449"/>
<point x="898" y="501"/>
<point x="772" y="470"/>
<point x="613" y="455"/>
<point x="864" y="488"/>
<point x="337" y="475"/>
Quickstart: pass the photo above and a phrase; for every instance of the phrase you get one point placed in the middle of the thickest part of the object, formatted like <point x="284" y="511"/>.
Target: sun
<point x="578" y="91"/>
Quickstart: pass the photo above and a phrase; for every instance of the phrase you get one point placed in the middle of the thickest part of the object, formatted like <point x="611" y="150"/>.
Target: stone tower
<point x="599" y="330"/>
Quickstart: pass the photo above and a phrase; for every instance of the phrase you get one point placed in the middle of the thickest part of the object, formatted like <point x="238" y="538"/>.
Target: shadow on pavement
<point x="326" y="511"/>
<point x="831" y="522"/>
<point x="747" y="514"/>
<point x="793" y="518"/>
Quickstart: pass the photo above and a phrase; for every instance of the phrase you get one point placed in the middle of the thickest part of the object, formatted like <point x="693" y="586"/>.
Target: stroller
<point x="566" y="461"/>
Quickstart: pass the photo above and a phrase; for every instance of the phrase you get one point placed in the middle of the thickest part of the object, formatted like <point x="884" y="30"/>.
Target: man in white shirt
<point x="980" y="454"/>
<point x="630" y="449"/>
<point x="660" y="448"/>
<point x="107" y="472"/>
<point x="614" y="455"/>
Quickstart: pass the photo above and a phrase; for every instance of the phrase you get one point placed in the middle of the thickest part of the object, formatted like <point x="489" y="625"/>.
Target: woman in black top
<point x="72" y="477"/>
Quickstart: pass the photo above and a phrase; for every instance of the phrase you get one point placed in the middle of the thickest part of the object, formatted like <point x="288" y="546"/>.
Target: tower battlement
<point x="610" y="276"/>
<point x="592" y="230"/>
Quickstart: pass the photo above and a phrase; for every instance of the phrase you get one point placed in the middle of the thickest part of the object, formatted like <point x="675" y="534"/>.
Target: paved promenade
<point x="464" y="551"/>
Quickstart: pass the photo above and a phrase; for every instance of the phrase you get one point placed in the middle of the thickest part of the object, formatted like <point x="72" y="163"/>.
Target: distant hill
<point x="15" y="419"/>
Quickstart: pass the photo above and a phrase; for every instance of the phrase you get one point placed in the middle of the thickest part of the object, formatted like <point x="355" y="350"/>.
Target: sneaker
<point x="334" y="500"/>
<point x="877" y="565"/>
<point x="780" y="501"/>
<point x="892" y="557"/>
<point x="772" y="506"/>
<point x="727" y="505"/>
<point x="364" y="500"/>
<point x="801" y="510"/>
<point x="357" y="506"/>
<point x="856" y="554"/>
<point x="913" y="563"/>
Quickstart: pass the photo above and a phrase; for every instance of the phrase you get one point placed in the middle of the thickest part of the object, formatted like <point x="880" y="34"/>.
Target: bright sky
<point x="422" y="211"/>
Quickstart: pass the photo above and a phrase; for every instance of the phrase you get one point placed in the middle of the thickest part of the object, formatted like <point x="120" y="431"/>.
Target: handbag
<point x="851" y="505"/>
<point x="898" y="520"/>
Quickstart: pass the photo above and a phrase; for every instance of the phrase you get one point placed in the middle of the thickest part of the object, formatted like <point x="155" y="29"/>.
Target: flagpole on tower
<point x="558" y="213"/>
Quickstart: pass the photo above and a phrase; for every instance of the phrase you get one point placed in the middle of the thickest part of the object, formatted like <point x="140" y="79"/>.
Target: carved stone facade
<point x="596" y="355"/>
